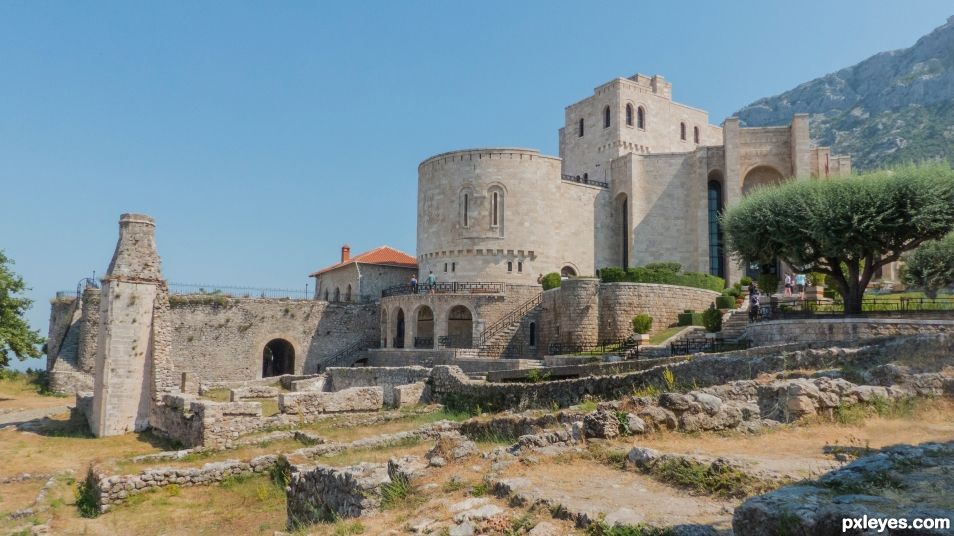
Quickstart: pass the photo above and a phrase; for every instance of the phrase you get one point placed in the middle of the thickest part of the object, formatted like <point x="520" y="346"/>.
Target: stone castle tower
<point x="131" y="338"/>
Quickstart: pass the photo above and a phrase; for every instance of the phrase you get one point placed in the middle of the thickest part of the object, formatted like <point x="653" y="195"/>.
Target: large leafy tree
<point x="16" y="337"/>
<point x="847" y="227"/>
<point x="931" y="266"/>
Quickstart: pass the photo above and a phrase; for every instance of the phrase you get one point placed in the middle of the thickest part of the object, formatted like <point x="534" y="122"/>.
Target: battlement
<point x="490" y="153"/>
<point x="656" y="83"/>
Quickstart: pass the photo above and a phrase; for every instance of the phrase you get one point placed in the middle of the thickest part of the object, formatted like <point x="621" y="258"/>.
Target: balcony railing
<point x="584" y="180"/>
<point x="446" y="288"/>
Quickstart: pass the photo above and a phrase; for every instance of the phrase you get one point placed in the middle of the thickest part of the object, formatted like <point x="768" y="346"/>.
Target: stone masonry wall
<point x="841" y="329"/>
<point x="311" y="403"/>
<point x="222" y="339"/>
<point x="201" y="423"/>
<point x="320" y="492"/>
<point x="385" y="377"/>
<point x="620" y="302"/>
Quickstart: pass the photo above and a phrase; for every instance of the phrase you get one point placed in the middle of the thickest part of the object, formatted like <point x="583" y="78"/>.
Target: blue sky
<point x="262" y="136"/>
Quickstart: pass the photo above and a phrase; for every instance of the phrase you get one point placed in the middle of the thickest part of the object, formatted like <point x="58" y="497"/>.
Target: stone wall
<point x="373" y="280"/>
<point x="311" y="403"/>
<point x="202" y="423"/>
<point x="620" y="302"/>
<point x="111" y="490"/>
<point x="450" y="384"/>
<point x="431" y="358"/>
<point x="842" y="329"/>
<point x="222" y="339"/>
<point x="387" y="378"/>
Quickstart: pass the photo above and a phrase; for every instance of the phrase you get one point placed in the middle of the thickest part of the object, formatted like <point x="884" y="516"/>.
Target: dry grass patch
<point x="22" y="390"/>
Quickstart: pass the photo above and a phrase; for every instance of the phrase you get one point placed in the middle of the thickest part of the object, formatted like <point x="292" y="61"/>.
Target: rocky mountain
<point x="892" y="107"/>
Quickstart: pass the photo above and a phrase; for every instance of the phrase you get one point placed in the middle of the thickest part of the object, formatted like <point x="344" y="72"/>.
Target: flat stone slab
<point x="624" y="497"/>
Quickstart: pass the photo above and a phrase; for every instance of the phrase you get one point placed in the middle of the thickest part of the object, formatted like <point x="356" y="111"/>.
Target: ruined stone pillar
<point x="123" y="375"/>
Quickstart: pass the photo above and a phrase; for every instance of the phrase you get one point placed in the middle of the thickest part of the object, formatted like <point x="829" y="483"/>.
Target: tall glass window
<point x="716" y="244"/>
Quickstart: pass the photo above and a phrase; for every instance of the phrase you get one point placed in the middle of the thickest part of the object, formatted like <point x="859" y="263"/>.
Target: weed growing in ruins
<point x="535" y="376"/>
<point x="480" y="489"/>
<point x="670" y="379"/>
<point x="601" y="528"/>
<point x="649" y="391"/>
<point x="623" y="419"/>
<point x="850" y="414"/>
<point x="347" y="528"/>
<point x="280" y="473"/>
<point x="867" y="484"/>
<point x="232" y="481"/>
<point x="716" y="479"/>
<point x="397" y="492"/>
<point x="86" y="501"/>
<point x="173" y="490"/>
<point x="452" y="485"/>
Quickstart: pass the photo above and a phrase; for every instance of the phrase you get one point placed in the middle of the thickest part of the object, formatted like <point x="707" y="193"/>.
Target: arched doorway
<point x="399" y="329"/>
<point x="278" y="358"/>
<point x="567" y="271"/>
<point x="760" y="177"/>
<point x="460" y="327"/>
<point x="424" y="334"/>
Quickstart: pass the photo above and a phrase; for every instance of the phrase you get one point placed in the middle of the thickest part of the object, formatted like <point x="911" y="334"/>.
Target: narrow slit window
<point x="493" y="209"/>
<point x="466" y="209"/>
<point x="509" y="266"/>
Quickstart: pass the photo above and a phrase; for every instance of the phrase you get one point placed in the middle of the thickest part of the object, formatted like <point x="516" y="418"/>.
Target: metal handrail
<point x="874" y="308"/>
<point x="629" y="347"/>
<point x="584" y="180"/>
<point x="508" y="319"/>
<point x="347" y="351"/>
<point x="237" y="292"/>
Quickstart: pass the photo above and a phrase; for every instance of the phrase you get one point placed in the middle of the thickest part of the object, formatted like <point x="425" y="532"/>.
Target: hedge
<point x="662" y="276"/>
<point x="725" y="302"/>
<point x="551" y="280"/>
<point x="690" y="318"/>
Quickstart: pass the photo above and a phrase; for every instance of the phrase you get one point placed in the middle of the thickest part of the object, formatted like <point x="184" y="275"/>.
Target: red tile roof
<point x="384" y="255"/>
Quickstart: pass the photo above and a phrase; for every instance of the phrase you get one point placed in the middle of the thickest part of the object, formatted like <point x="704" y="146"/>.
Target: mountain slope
<point x="892" y="107"/>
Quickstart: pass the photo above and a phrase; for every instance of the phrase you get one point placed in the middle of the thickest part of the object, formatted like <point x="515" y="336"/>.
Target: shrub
<point x="86" y="501"/>
<point x="674" y="267"/>
<point x="712" y="320"/>
<point x="745" y="281"/>
<point x="642" y="323"/>
<point x="690" y="318"/>
<point x="768" y="283"/>
<point x="732" y="291"/>
<point x="645" y="274"/>
<point x="551" y="280"/>
<point x="725" y="302"/>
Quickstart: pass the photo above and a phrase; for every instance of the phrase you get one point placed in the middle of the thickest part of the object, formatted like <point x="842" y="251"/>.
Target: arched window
<point x="567" y="271"/>
<point x="606" y="117"/>
<point x="533" y="335"/>
<point x="640" y="118"/>
<point x="466" y="210"/>
<point x="348" y="294"/>
<point x="629" y="115"/>
<point x="509" y="266"/>
<point x="337" y="294"/>
<point x="497" y="208"/>
<point x="580" y="130"/>
<point x="682" y="131"/>
<point x="695" y="135"/>
<point x="326" y="294"/>
<point x="716" y="241"/>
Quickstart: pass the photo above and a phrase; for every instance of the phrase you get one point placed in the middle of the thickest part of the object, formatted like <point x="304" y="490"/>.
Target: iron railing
<point x="238" y="292"/>
<point x="628" y="348"/>
<point x="340" y="358"/>
<point x="464" y="287"/>
<point x="695" y="345"/>
<point x="584" y="180"/>
<point x="872" y="307"/>
<point x="450" y="341"/>
<point x="424" y="342"/>
<point x="508" y="320"/>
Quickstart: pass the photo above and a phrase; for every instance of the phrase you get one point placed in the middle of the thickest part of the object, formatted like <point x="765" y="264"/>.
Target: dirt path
<point x="20" y="416"/>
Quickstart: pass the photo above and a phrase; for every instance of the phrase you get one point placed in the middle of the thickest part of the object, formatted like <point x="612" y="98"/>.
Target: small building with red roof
<point x="361" y="278"/>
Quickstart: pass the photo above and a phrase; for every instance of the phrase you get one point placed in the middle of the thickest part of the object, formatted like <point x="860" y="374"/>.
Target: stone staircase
<point x="494" y="341"/>
<point x="522" y="364"/>
<point x="734" y="323"/>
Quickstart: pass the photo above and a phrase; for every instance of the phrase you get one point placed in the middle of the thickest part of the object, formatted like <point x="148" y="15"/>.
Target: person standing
<point x="788" y="284"/>
<point x="800" y="281"/>
<point x="414" y="283"/>
<point x="431" y="281"/>
<point x="754" y="302"/>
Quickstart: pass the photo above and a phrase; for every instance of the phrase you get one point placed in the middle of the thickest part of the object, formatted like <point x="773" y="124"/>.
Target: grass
<point x="601" y="528"/>
<point x="665" y="334"/>
<point x="710" y="479"/>
<point x="399" y="493"/>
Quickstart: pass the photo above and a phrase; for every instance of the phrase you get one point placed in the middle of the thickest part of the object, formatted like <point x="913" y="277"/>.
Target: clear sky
<point x="263" y="135"/>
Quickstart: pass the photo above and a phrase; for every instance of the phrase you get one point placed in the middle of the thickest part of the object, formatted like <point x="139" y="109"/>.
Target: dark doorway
<point x="278" y="358"/>
<point x="399" y="332"/>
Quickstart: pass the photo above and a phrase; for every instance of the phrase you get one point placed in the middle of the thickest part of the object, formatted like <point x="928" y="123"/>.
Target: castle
<point x="639" y="179"/>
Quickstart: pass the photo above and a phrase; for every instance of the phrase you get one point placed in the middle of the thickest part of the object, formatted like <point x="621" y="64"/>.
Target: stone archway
<point x="460" y="327"/>
<point x="567" y="271"/>
<point x="760" y="177"/>
<point x="424" y="328"/>
<point x="399" y="329"/>
<point x="278" y="357"/>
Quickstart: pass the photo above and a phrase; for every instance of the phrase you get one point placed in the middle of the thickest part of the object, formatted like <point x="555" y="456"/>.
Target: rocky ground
<point x="787" y="453"/>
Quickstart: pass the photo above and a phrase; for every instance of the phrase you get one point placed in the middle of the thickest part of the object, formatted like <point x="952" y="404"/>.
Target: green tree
<point x="931" y="266"/>
<point x="15" y="334"/>
<point x="847" y="227"/>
